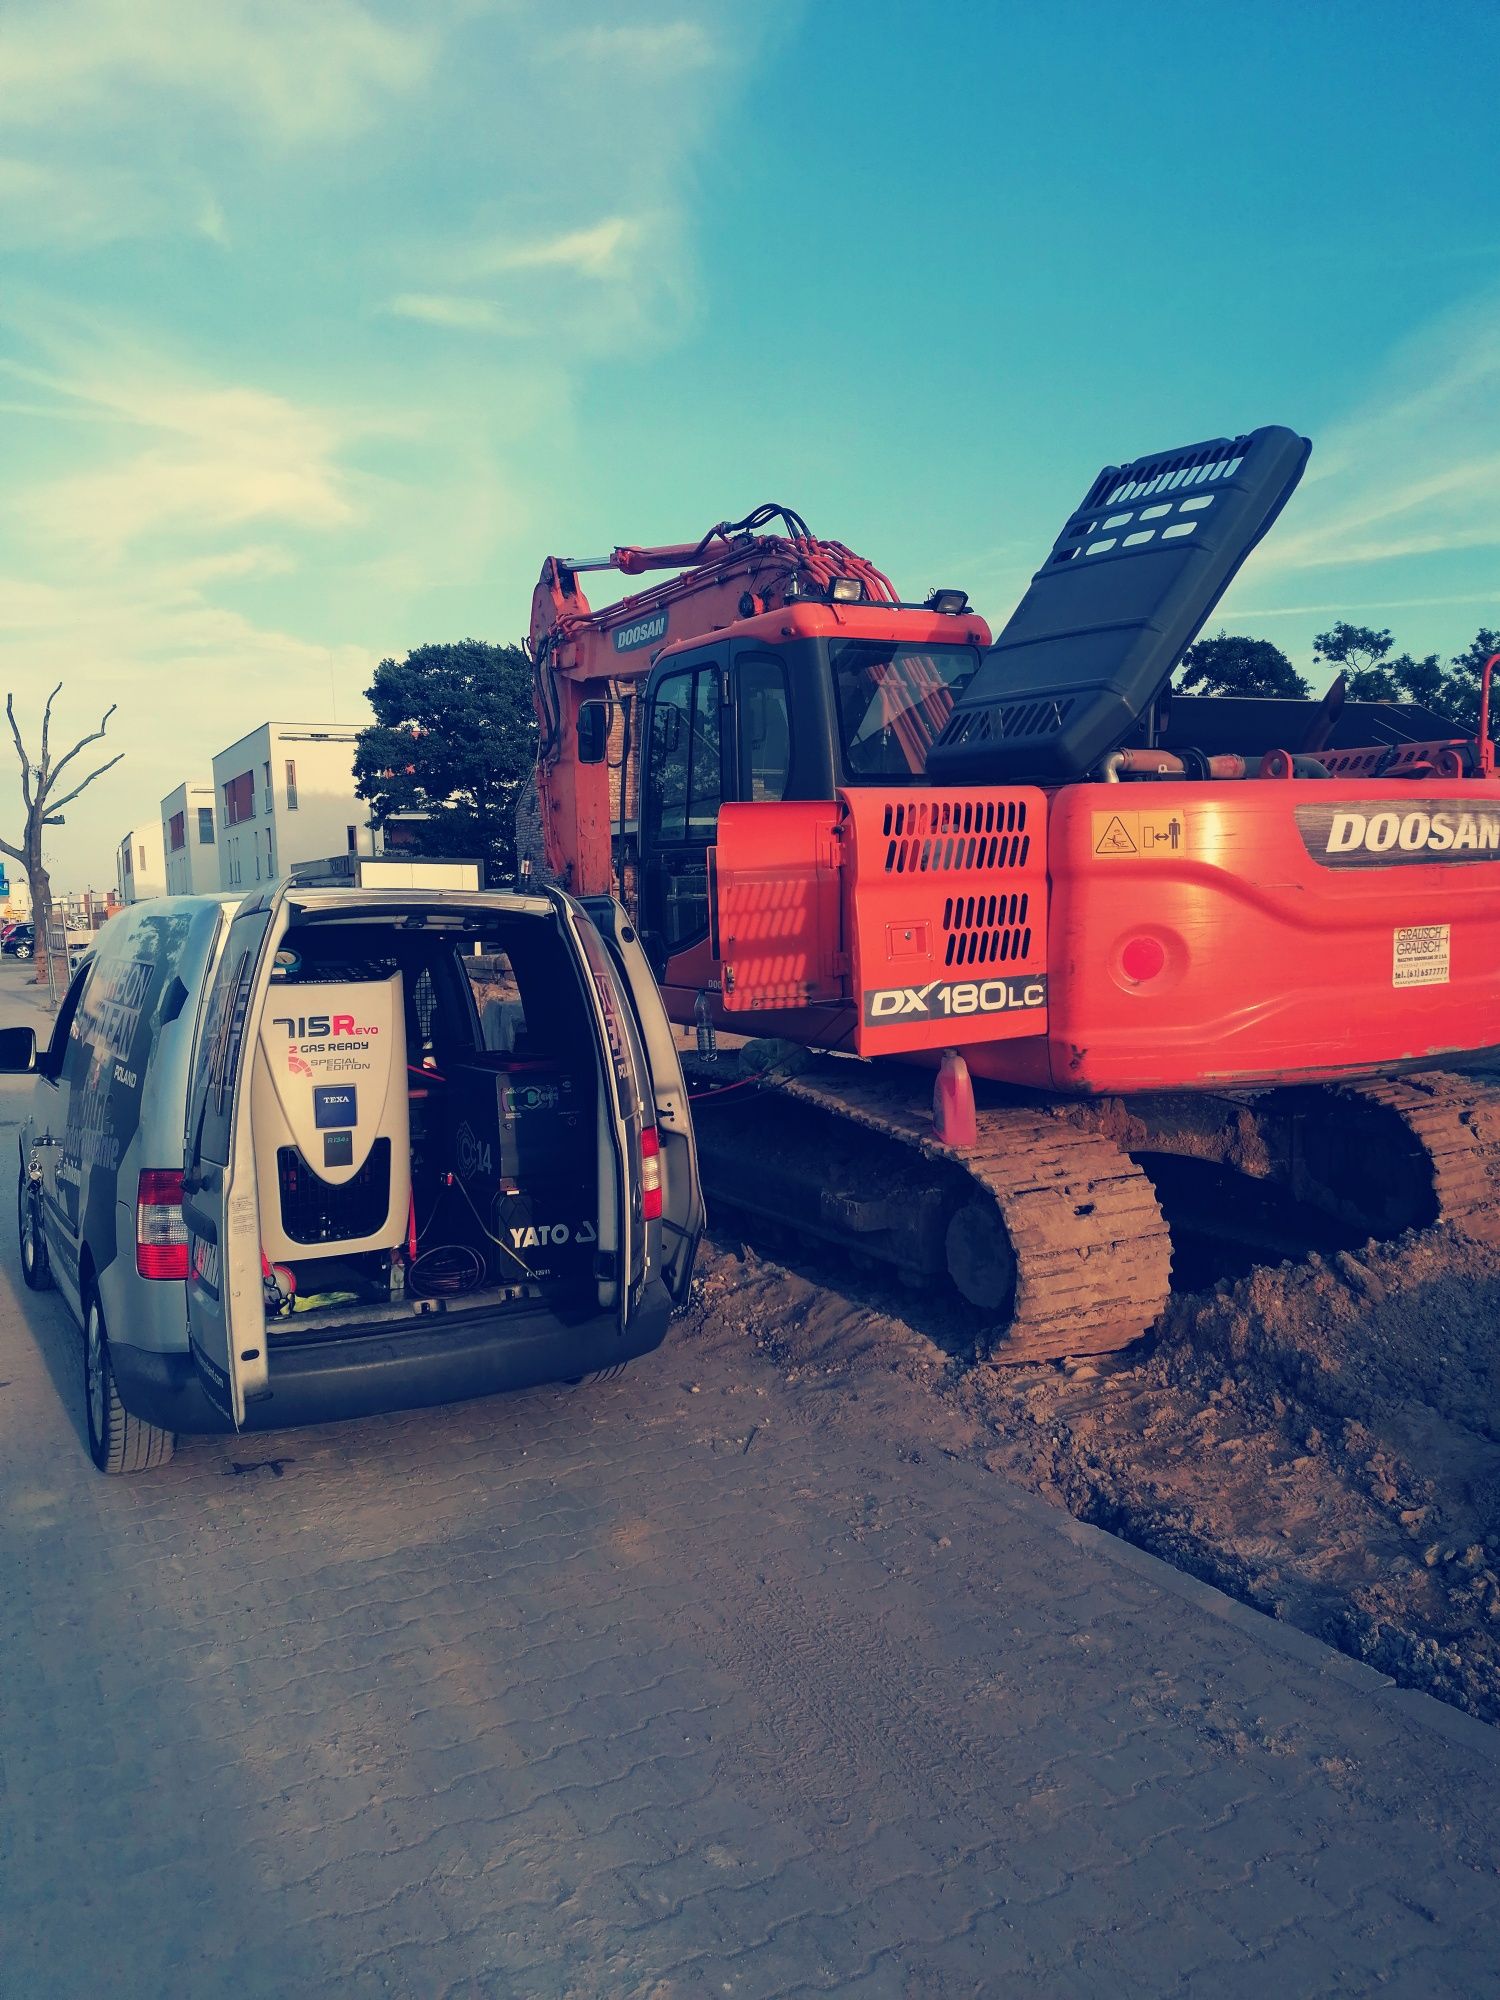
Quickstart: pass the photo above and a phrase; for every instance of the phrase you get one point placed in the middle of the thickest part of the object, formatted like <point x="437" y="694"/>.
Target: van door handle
<point x="194" y="1183"/>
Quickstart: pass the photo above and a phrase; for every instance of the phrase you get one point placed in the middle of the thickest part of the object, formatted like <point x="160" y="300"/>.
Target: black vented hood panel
<point x="1140" y="565"/>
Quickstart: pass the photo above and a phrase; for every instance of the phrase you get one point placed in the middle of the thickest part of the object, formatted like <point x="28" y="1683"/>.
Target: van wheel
<point x="36" y="1266"/>
<point x="118" y="1442"/>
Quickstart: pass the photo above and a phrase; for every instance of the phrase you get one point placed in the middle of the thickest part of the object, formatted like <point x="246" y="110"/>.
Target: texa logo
<point x="1385" y="833"/>
<point x="941" y="998"/>
<point x="645" y="632"/>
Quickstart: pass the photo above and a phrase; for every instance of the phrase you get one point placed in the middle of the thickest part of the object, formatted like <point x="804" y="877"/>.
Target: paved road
<point x="702" y="1682"/>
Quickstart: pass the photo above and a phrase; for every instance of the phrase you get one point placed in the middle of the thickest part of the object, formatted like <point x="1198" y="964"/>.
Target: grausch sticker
<point x="1419" y="955"/>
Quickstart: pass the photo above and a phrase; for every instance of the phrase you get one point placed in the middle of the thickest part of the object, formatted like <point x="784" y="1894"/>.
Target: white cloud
<point x="48" y="207"/>
<point x="1413" y="471"/>
<point x="296" y="72"/>
<point x="597" y="251"/>
<point x="219" y="459"/>
<point x="665" y="48"/>
<point x="463" y="315"/>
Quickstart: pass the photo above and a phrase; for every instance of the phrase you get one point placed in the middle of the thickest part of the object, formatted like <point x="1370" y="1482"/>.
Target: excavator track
<point x="1454" y="1122"/>
<point x="1060" y="1234"/>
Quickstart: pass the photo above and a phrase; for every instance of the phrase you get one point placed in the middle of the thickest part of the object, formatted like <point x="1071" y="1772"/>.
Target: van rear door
<point x="682" y="1215"/>
<point x="226" y="1313"/>
<point x="625" y="1263"/>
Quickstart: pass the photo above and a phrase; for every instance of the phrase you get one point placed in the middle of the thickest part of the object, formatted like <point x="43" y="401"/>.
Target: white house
<point x="140" y="871"/>
<point x="285" y="793"/>
<point x="188" y="840"/>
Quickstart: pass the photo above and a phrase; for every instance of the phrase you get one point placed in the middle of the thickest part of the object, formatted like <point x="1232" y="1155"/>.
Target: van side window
<point x="51" y="1064"/>
<point x="497" y="996"/>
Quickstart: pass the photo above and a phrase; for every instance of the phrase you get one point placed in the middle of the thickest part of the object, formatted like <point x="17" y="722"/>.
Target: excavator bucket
<point x="1132" y="577"/>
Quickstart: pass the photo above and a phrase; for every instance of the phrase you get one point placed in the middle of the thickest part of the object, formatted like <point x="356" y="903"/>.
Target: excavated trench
<point x="1318" y="1437"/>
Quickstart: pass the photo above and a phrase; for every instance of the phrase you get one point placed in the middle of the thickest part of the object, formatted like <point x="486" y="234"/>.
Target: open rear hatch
<point x="407" y="1106"/>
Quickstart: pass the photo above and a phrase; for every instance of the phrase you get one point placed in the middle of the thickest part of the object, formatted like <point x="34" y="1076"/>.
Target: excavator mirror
<point x="593" y="732"/>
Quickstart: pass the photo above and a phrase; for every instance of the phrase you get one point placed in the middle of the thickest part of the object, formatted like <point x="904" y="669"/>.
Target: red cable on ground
<point x="697" y="1096"/>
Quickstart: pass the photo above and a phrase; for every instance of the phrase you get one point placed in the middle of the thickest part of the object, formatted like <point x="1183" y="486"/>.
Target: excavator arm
<point x="583" y="659"/>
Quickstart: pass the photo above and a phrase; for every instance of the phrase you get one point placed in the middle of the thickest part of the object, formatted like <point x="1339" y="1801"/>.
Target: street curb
<point x="1425" y="1710"/>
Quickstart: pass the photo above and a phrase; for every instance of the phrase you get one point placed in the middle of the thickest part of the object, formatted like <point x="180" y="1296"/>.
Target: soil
<point x="1320" y="1440"/>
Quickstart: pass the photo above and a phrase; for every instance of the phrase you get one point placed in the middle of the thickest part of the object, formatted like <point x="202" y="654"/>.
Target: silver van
<point x="328" y="1152"/>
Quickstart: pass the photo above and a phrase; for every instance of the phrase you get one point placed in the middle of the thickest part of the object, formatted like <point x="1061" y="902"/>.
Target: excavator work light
<point x="846" y="590"/>
<point x="948" y="603"/>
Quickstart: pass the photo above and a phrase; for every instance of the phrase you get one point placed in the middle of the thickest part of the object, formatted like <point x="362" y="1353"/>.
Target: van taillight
<point x="161" y="1244"/>
<point x="650" y="1175"/>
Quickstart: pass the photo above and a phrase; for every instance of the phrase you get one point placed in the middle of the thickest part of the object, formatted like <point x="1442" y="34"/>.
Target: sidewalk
<point x="702" y="1682"/>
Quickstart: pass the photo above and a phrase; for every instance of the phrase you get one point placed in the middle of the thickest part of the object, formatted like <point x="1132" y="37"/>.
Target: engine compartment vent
<point x="1139" y="565"/>
<point x="928" y="836"/>
<point x="986" y="930"/>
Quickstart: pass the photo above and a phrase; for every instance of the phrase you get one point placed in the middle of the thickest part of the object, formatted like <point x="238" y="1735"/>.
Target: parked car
<point x="18" y="941"/>
<point x="334" y="1151"/>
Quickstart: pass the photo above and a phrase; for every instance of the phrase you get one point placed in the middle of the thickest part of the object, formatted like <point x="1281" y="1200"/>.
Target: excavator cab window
<point x="682" y="793"/>
<point x="763" y="719"/>
<point x="893" y="702"/>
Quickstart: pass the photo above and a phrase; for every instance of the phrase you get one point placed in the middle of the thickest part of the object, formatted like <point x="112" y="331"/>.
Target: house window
<point x="129" y="861"/>
<point x="205" y="826"/>
<point x="270" y="858"/>
<point x="239" y="799"/>
<point x="291" y="784"/>
<point x="353" y="838"/>
<point x="177" y="832"/>
<point x="140" y="855"/>
<point x="269" y="803"/>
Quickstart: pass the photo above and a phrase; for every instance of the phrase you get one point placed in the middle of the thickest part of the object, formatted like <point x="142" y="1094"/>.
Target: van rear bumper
<point x="363" y="1375"/>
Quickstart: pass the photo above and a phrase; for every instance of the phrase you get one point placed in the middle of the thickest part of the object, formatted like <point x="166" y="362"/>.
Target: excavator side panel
<point x="1270" y="930"/>
<point x="774" y="894"/>
<point x="945" y="913"/>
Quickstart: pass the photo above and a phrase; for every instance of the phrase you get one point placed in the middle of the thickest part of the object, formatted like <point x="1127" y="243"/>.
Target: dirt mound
<point x="1321" y="1440"/>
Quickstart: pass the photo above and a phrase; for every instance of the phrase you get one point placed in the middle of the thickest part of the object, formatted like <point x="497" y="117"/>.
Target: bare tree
<point x="42" y="806"/>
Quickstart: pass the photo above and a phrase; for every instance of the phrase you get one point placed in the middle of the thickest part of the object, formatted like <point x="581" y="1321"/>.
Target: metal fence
<point x="57" y="961"/>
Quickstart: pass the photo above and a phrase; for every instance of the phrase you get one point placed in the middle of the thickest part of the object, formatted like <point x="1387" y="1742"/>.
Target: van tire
<point x="118" y="1442"/>
<point x="36" y="1265"/>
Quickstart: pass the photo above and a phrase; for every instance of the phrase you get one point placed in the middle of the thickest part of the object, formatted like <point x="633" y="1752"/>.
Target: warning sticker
<point x="1419" y="956"/>
<point x="1122" y="835"/>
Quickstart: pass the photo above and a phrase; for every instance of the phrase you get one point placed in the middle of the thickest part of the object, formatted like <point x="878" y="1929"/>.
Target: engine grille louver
<point x="986" y="930"/>
<point x="930" y="836"/>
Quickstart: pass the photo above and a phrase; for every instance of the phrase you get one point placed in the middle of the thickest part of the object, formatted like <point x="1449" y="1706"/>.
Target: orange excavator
<point x="1145" y="941"/>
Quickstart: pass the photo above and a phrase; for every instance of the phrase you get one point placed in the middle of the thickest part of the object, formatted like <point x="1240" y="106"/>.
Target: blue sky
<point x="320" y="325"/>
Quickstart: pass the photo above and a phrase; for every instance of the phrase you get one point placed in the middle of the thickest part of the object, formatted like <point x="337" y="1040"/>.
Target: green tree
<point x="1363" y="656"/>
<point x="1375" y="673"/>
<point x="1465" y="672"/>
<point x="454" y="738"/>
<point x="1229" y="664"/>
